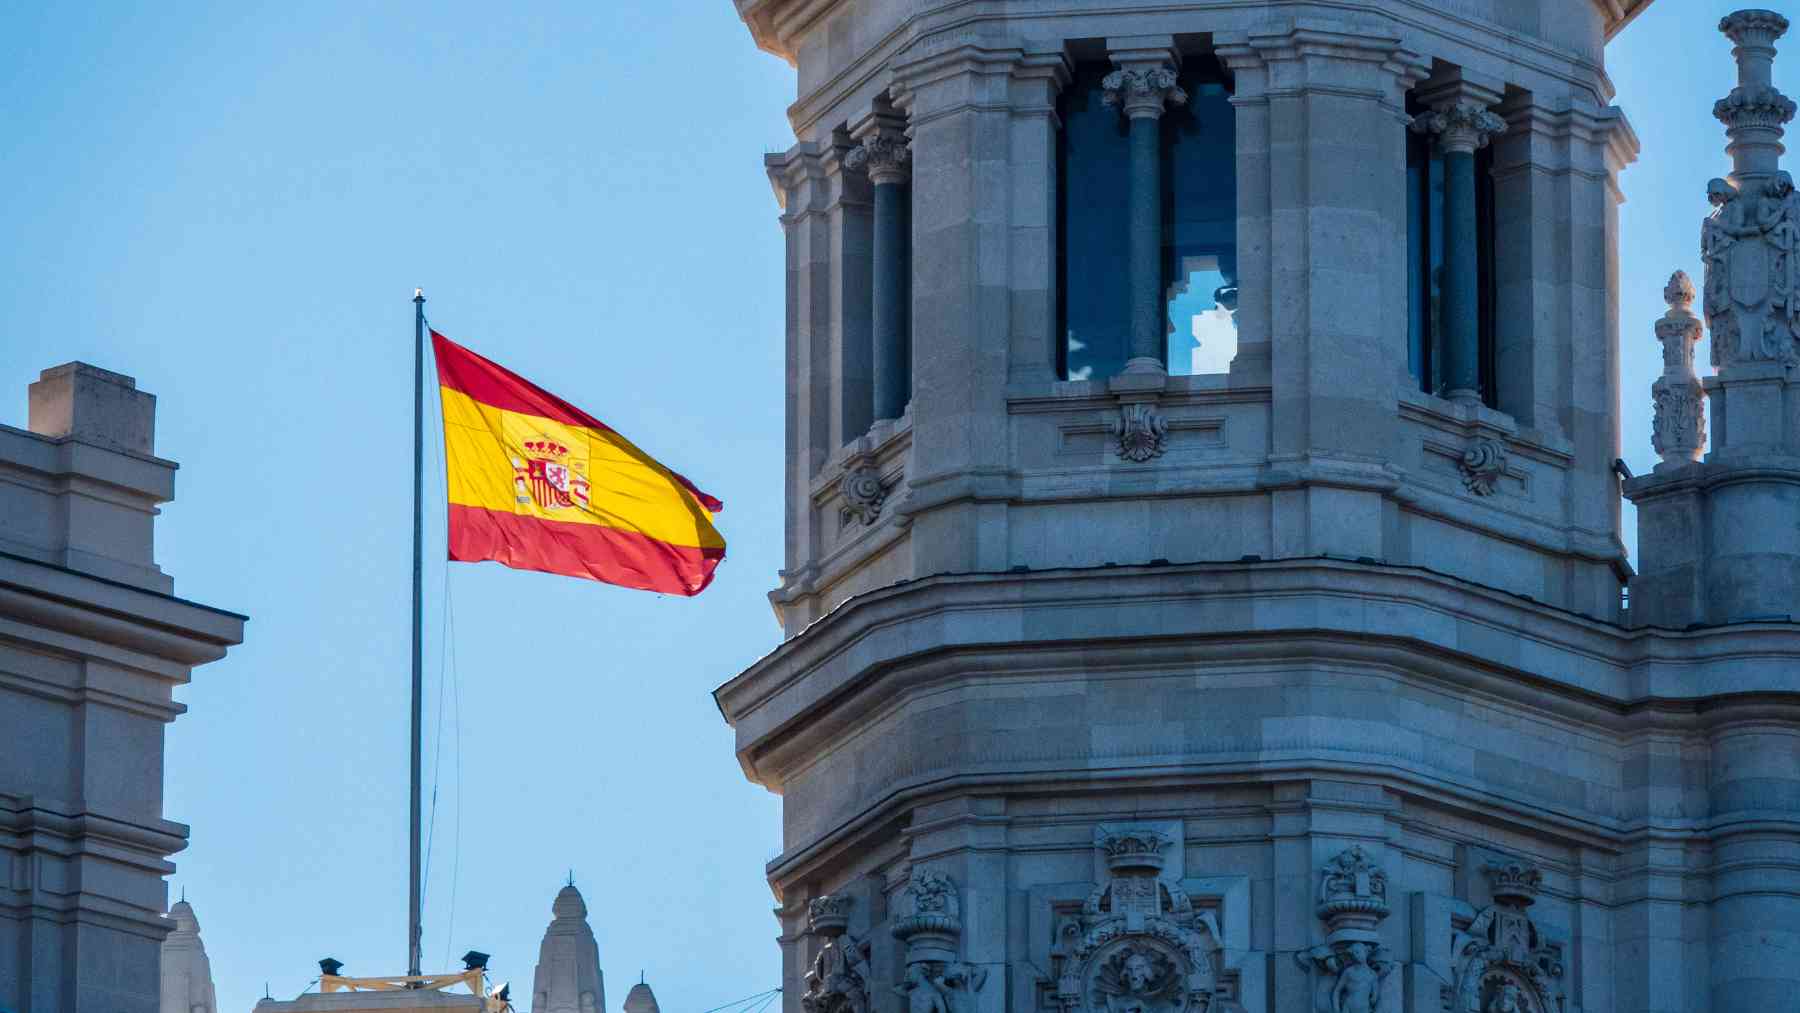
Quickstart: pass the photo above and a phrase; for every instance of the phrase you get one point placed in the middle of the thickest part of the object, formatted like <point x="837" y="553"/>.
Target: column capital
<point x="881" y="150"/>
<point x="1145" y="82"/>
<point x="1461" y="126"/>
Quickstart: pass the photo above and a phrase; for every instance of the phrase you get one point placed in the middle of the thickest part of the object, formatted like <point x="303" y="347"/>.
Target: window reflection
<point x="1199" y="253"/>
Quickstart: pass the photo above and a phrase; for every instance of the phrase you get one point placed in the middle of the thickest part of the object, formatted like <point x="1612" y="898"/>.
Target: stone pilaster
<point x="1141" y="88"/>
<point x="849" y="212"/>
<point x="803" y="191"/>
<point x="1037" y="80"/>
<point x="1460" y="123"/>
<point x="1312" y="103"/>
<point x="960" y="120"/>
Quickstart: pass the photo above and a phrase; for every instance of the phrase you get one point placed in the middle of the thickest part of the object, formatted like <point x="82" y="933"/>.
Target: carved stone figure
<point x="838" y="980"/>
<point x="1141" y="432"/>
<point x="922" y="992"/>
<point x="1507" y="999"/>
<point x="1358" y="988"/>
<point x="1482" y="465"/>
<point x="1352" y="964"/>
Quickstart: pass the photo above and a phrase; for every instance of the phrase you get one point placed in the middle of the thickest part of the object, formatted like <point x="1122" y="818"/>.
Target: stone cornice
<point x="1595" y="671"/>
<point x="968" y="20"/>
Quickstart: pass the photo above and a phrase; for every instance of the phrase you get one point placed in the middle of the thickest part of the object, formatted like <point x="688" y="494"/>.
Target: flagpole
<point x="413" y="929"/>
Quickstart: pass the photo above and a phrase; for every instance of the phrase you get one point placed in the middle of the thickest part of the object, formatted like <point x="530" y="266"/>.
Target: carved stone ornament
<point x="884" y="155"/>
<point x="1138" y="946"/>
<point x="1459" y="126"/>
<point x="862" y="491"/>
<point x="1503" y="964"/>
<point x="1140" y="92"/>
<point x="1752" y="302"/>
<point x="1141" y="432"/>
<point x="1679" y="430"/>
<point x="1482" y="465"/>
<point x="1353" y="965"/>
<point x="838" y="981"/>
<point x="927" y="917"/>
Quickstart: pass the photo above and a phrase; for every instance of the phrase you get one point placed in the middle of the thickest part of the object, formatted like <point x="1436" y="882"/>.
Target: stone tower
<point x="93" y="642"/>
<point x="187" y="985"/>
<point x="568" y="978"/>
<point x="1203" y="571"/>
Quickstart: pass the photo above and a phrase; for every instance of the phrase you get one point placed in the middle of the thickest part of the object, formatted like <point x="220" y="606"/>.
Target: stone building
<point x="1204" y="586"/>
<point x="92" y="644"/>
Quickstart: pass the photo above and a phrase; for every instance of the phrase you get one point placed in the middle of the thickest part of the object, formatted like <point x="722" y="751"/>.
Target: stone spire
<point x="187" y="985"/>
<point x="568" y="978"/>
<point x="641" y="1000"/>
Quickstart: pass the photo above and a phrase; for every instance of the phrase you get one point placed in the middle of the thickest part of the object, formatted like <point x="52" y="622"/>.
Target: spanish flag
<point x="535" y="483"/>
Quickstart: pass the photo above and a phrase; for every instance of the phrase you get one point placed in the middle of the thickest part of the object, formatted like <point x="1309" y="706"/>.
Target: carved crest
<point x="1503" y="963"/>
<point x="1141" y="432"/>
<point x="1482" y="465"/>
<point x="862" y="491"/>
<point x="1138" y="946"/>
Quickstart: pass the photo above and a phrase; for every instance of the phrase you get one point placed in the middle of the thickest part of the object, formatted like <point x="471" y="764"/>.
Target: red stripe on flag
<point x="593" y="551"/>
<point x="493" y="384"/>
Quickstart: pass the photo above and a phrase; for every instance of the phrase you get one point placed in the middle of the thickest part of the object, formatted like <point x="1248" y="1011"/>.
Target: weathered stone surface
<point x="93" y="647"/>
<point x="1290" y="687"/>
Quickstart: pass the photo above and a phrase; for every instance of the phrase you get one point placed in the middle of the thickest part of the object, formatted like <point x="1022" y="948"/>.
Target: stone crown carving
<point x="1514" y="883"/>
<point x="1135" y="850"/>
<point x="1141" y="92"/>
<point x="1352" y="964"/>
<point x="1460" y="126"/>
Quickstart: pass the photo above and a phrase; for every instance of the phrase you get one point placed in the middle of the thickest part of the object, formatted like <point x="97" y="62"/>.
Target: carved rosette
<point x="838" y="980"/>
<point x="1142" y="92"/>
<point x="1460" y="126"/>
<point x="861" y="490"/>
<point x="1503" y="963"/>
<point x="1679" y="429"/>
<point x="1352" y="963"/>
<point x="1482" y="465"/>
<point x="1141" y="432"/>
<point x="1138" y="946"/>
<point x="884" y="155"/>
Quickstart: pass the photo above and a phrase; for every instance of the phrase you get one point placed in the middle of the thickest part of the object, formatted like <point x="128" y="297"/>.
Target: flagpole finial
<point x="418" y="294"/>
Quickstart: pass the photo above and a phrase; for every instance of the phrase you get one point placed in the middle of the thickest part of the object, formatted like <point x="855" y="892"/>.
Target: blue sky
<point x="233" y="202"/>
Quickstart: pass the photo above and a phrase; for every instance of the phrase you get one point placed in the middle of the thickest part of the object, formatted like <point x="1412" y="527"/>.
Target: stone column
<point x="1141" y="88"/>
<point x="885" y="156"/>
<point x="1462" y="124"/>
